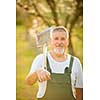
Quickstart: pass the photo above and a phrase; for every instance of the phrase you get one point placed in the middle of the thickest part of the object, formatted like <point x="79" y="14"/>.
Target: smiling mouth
<point x="59" y="47"/>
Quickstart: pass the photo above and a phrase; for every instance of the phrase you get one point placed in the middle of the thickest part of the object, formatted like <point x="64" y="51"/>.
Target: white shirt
<point x="59" y="67"/>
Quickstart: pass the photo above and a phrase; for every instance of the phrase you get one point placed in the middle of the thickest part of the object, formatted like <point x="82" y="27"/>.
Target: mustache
<point x="59" y="45"/>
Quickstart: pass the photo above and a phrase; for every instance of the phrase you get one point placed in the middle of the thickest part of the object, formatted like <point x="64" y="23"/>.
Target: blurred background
<point x="33" y="16"/>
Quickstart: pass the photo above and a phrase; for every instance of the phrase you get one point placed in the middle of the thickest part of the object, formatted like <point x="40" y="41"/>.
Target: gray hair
<point x="59" y="29"/>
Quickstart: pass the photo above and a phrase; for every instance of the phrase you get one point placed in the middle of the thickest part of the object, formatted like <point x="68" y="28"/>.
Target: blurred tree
<point x="68" y="13"/>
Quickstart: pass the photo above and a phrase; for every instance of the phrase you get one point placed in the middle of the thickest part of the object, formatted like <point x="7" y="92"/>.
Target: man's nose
<point x="59" y="41"/>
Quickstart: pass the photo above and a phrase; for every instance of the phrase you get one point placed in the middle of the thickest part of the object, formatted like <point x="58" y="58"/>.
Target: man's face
<point x="59" y="42"/>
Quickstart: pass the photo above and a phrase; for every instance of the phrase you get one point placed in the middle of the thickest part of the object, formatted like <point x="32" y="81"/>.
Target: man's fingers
<point x="48" y="76"/>
<point x="43" y="75"/>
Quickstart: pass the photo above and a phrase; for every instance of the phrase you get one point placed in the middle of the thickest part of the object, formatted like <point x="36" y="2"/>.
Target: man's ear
<point x="67" y="42"/>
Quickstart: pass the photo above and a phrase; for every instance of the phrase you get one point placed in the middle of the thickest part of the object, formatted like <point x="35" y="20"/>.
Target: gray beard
<point x="57" y="51"/>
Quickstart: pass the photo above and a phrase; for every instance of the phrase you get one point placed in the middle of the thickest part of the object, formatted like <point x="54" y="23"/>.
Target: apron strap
<point x="71" y="63"/>
<point x="69" y="69"/>
<point x="48" y="65"/>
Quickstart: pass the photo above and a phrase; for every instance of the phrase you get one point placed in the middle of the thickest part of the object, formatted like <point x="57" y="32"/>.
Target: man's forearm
<point x="79" y="93"/>
<point x="31" y="78"/>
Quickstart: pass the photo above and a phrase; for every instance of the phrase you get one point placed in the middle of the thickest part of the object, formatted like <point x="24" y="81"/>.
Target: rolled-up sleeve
<point x="78" y="74"/>
<point x="37" y="63"/>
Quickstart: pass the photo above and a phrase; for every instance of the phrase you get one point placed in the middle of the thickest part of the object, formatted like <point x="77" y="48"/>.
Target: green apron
<point x="59" y="87"/>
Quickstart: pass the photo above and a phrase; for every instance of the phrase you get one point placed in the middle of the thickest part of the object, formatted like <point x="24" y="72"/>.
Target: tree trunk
<point x="70" y="48"/>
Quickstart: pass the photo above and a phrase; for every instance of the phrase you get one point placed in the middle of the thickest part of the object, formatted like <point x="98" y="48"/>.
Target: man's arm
<point x="31" y="78"/>
<point x="79" y="81"/>
<point x="79" y="93"/>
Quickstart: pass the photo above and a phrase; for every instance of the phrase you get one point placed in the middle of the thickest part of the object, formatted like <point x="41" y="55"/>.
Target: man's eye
<point x="56" y="38"/>
<point x="62" y="38"/>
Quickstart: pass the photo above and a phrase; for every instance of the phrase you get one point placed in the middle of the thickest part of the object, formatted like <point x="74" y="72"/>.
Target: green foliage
<point x="24" y="58"/>
<point x="77" y="41"/>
